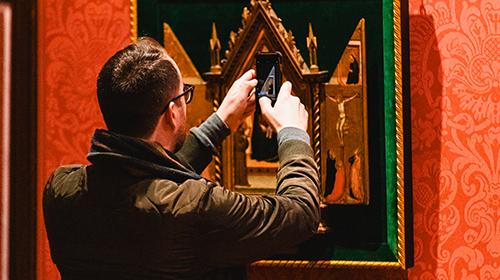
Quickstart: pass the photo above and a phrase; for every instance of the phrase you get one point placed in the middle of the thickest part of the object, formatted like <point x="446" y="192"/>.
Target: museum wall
<point x="455" y="95"/>
<point x="75" y="40"/>
<point x="455" y="74"/>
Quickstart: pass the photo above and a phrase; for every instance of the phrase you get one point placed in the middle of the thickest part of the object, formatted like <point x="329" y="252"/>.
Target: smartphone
<point x="269" y="77"/>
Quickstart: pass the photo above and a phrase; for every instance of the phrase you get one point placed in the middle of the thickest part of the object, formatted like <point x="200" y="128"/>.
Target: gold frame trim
<point x="330" y="264"/>
<point x="401" y="263"/>
<point x="398" y="92"/>
<point x="133" y="20"/>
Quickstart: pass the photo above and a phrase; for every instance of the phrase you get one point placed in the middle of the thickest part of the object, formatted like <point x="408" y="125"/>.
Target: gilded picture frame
<point x="394" y="150"/>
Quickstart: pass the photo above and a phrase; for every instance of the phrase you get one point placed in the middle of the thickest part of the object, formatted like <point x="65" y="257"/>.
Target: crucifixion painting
<point x="341" y="101"/>
<point x="344" y="132"/>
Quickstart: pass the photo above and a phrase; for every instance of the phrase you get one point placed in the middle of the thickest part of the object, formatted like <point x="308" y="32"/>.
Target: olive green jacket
<point x="154" y="217"/>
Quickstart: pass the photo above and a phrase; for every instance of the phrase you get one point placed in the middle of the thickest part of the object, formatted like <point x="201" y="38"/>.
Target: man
<point x="142" y="211"/>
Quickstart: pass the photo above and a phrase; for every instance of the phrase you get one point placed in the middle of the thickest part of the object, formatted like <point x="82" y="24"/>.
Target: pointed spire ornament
<point x="312" y="45"/>
<point x="214" y="51"/>
<point x="245" y="16"/>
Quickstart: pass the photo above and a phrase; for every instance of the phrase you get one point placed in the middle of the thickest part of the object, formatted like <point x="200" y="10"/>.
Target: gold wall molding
<point x="133" y="20"/>
<point x="398" y="75"/>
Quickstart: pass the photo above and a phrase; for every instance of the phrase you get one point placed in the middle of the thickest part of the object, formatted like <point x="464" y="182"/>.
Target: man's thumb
<point x="265" y="103"/>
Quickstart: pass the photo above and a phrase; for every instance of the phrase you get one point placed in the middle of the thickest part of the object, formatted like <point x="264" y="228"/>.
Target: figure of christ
<point x="339" y="99"/>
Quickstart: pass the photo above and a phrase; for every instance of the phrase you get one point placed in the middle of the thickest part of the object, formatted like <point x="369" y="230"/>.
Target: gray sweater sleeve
<point x="292" y="133"/>
<point x="212" y="132"/>
<point x="202" y="143"/>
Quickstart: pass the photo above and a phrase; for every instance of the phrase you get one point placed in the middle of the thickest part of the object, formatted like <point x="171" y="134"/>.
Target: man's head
<point x="135" y="86"/>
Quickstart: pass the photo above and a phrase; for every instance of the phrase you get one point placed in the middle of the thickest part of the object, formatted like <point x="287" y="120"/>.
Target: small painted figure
<point x="357" y="191"/>
<point x="331" y="172"/>
<point x="339" y="182"/>
<point x="339" y="99"/>
<point x="353" y="75"/>
<point x="240" y="157"/>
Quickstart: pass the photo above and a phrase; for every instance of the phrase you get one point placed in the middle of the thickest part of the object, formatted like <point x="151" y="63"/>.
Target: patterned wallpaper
<point x="455" y="75"/>
<point x="76" y="37"/>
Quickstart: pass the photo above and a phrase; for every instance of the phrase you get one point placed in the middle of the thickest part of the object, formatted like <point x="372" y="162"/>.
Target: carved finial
<point x="232" y="40"/>
<point x="312" y="45"/>
<point x="267" y="4"/>
<point x="245" y="16"/>
<point x="290" y="39"/>
<point x="214" y="51"/>
<point x="276" y="20"/>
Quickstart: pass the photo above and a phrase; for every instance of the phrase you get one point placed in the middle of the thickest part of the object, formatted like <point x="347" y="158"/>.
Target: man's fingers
<point x="246" y="81"/>
<point x="285" y="91"/>
<point x="250" y="84"/>
<point x="265" y="104"/>
<point x="251" y="96"/>
<point x="249" y="75"/>
<point x="245" y="88"/>
<point x="250" y="103"/>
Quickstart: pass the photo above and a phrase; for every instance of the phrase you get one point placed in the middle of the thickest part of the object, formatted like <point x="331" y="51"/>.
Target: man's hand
<point x="287" y="111"/>
<point x="239" y="102"/>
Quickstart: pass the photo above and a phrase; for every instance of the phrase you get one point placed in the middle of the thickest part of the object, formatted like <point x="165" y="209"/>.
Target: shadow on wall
<point x="426" y="114"/>
<point x="456" y="102"/>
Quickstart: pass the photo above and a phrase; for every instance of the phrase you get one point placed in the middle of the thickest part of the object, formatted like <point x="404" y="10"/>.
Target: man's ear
<point x="170" y="115"/>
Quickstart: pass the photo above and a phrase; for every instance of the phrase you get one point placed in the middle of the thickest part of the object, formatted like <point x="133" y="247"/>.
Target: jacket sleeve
<point x="237" y="229"/>
<point x="202" y="143"/>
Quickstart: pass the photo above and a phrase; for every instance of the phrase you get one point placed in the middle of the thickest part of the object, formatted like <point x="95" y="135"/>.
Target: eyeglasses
<point x="187" y="92"/>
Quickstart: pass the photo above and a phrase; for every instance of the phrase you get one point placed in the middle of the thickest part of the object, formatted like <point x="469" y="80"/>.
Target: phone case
<point x="269" y="77"/>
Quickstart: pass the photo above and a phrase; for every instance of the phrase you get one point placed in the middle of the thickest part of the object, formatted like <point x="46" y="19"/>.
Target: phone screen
<point x="268" y="75"/>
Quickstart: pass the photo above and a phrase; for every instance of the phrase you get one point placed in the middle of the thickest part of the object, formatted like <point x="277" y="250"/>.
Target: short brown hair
<point x="134" y="86"/>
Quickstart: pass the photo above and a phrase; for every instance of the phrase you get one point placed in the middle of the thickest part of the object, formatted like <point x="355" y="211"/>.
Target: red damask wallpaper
<point x="455" y="75"/>
<point x="76" y="37"/>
